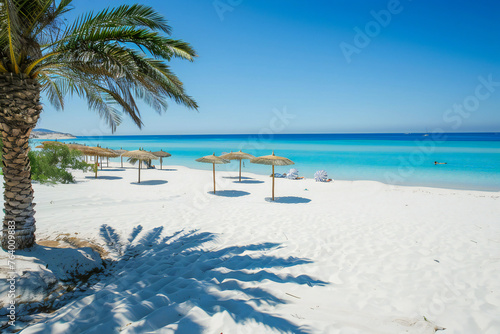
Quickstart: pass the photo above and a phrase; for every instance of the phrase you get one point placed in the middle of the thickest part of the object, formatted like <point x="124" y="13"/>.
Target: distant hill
<point x="50" y="134"/>
<point x="43" y="130"/>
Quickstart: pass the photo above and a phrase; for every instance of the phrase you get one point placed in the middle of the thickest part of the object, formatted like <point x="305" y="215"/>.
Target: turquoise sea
<point x="472" y="159"/>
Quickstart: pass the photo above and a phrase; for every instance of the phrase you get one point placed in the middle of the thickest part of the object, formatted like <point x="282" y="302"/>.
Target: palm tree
<point x="110" y="58"/>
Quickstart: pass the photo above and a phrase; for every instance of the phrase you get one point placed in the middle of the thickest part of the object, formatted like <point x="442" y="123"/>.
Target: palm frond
<point x="122" y="16"/>
<point x="48" y="25"/>
<point x="132" y="73"/>
<point x="111" y="58"/>
<point x="9" y="31"/>
<point x="132" y="161"/>
<point x="53" y="90"/>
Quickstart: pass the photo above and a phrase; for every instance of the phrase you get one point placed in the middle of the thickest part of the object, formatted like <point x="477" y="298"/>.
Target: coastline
<point x="472" y="159"/>
<point x="50" y="136"/>
<point x="473" y="135"/>
<point x="202" y="167"/>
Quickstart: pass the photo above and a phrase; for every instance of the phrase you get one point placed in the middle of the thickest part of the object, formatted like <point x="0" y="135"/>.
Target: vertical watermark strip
<point x="11" y="277"/>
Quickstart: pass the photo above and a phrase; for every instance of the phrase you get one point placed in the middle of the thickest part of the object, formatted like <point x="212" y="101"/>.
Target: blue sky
<point x="329" y="66"/>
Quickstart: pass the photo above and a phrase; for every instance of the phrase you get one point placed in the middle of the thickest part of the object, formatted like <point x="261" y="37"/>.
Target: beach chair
<point x="321" y="176"/>
<point x="292" y="174"/>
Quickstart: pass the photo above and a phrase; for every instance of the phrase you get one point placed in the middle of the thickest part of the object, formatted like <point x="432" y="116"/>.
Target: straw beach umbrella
<point x="77" y="147"/>
<point x="103" y="153"/>
<point x="274" y="161"/>
<point x="108" y="153"/>
<point x="213" y="159"/>
<point x="44" y="144"/>
<point x="52" y="142"/>
<point x="140" y="155"/>
<point x="91" y="151"/>
<point x="162" y="154"/>
<point x="120" y="152"/>
<point x="237" y="156"/>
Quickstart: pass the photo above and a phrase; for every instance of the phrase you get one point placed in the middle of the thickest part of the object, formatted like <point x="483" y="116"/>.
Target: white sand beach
<point x="340" y="257"/>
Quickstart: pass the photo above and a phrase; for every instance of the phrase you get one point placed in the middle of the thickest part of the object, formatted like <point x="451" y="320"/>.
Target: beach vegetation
<point x="110" y="58"/>
<point x="53" y="164"/>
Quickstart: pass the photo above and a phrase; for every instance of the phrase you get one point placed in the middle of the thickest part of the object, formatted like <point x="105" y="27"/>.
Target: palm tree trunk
<point x="19" y="111"/>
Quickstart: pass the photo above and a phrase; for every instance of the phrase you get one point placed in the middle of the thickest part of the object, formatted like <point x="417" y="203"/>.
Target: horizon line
<point x="296" y="133"/>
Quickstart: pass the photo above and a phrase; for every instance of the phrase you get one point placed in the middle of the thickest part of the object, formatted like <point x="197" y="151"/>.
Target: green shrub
<point x="51" y="164"/>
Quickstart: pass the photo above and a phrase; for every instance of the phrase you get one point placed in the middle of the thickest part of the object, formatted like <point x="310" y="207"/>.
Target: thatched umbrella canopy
<point x="274" y="161"/>
<point x="237" y="156"/>
<point x="99" y="152"/>
<point x="75" y="146"/>
<point x="140" y="155"/>
<point x="92" y="151"/>
<point x="213" y="159"/>
<point x="88" y="150"/>
<point x="120" y="152"/>
<point x="44" y="144"/>
<point x="162" y="154"/>
<point x="52" y="142"/>
<point x="108" y="153"/>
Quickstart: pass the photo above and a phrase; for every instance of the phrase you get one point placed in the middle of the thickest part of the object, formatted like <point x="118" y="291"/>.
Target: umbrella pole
<point x="140" y="171"/>
<point x="107" y="161"/>
<point x="161" y="161"/>
<point x="240" y="170"/>
<point x="95" y="166"/>
<point x="214" y="178"/>
<point x="273" y="182"/>
<point x="122" y="160"/>
<point x="101" y="163"/>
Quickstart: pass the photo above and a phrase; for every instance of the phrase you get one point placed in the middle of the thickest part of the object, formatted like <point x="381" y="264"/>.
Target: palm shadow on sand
<point x="157" y="282"/>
